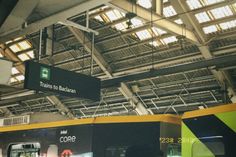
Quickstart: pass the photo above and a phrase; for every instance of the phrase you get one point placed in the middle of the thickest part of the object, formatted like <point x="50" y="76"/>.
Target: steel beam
<point x="190" y="18"/>
<point x="158" y="20"/>
<point x="50" y="20"/>
<point x="96" y="55"/>
<point x="133" y="100"/>
<point x="216" y="63"/>
<point x="60" y="106"/>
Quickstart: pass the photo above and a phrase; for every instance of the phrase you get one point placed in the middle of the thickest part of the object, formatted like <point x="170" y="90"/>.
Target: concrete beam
<point x="50" y="20"/>
<point x="133" y="100"/>
<point x="159" y="20"/>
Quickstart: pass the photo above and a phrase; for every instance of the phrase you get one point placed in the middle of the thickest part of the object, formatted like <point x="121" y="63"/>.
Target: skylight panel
<point x="144" y="34"/>
<point x="15" y="48"/>
<point x="194" y="4"/>
<point x="209" y="29"/>
<point x="209" y="2"/>
<point x="121" y="26"/>
<point x="169" y="11"/>
<point x="154" y="43"/>
<point x="158" y="31"/>
<point x="221" y="12"/>
<point x="202" y="17"/>
<point x="179" y="21"/>
<point x="1" y="55"/>
<point x="136" y="22"/>
<point x="20" y="77"/>
<point x="99" y="18"/>
<point x="164" y="1"/>
<point x="14" y="71"/>
<point x="30" y="54"/>
<point x="12" y="80"/>
<point x="114" y="15"/>
<point x="23" y="57"/>
<point x="228" y="25"/>
<point x="24" y="45"/>
<point x="169" y="39"/>
<point x="145" y="3"/>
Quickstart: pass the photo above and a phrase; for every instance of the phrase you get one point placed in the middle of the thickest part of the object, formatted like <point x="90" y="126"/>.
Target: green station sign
<point x="42" y="77"/>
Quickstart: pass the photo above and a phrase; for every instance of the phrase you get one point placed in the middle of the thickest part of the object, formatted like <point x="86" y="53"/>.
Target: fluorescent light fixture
<point x="145" y="3"/>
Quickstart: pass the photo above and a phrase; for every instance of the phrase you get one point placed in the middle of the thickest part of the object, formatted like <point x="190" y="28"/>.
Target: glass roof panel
<point x="194" y="4"/>
<point x="136" y="22"/>
<point x="24" y="45"/>
<point x="1" y="55"/>
<point x="221" y="12"/>
<point x="23" y="57"/>
<point x="179" y="21"/>
<point x="14" y="71"/>
<point x="210" y="29"/>
<point x="169" y="11"/>
<point x="15" y="48"/>
<point x="121" y="26"/>
<point x="99" y="18"/>
<point x="145" y="3"/>
<point x="30" y="54"/>
<point x="12" y="80"/>
<point x="228" y="25"/>
<point x="144" y="34"/>
<point x="20" y="77"/>
<point x="169" y="39"/>
<point x="114" y="15"/>
<point x="209" y="2"/>
<point x="202" y="17"/>
<point x="158" y="31"/>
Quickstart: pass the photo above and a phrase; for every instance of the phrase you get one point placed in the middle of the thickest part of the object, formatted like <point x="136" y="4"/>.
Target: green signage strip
<point x="42" y="77"/>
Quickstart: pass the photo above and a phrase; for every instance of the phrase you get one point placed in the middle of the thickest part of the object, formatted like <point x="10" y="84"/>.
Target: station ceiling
<point x="183" y="32"/>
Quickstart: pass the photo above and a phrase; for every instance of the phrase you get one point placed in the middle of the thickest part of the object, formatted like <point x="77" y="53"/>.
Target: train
<point x="201" y="133"/>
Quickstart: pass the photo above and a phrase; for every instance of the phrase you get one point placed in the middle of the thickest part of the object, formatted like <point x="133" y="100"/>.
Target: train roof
<point x="209" y="111"/>
<point x="168" y="118"/>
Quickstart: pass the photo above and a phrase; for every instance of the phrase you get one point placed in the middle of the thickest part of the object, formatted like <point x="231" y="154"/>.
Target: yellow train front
<point x="121" y="136"/>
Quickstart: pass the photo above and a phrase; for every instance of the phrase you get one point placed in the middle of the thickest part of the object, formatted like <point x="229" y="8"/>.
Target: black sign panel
<point x="47" y="78"/>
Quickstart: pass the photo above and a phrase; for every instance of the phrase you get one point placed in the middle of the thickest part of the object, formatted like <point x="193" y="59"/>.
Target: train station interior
<point x="83" y="59"/>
